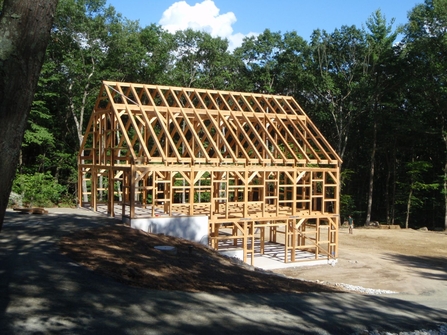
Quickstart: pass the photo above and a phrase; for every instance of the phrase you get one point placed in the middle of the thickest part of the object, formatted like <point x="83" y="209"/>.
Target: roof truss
<point x="171" y="125"/>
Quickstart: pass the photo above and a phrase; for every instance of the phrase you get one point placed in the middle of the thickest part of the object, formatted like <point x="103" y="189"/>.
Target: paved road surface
<point x="43" y="292"/>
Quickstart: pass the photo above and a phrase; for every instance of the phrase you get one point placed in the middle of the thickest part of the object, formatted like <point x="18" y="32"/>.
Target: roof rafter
<point x="187" y="125"/>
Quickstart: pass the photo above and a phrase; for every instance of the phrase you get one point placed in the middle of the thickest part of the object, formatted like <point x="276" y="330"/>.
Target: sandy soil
<point x="405" y="261"/>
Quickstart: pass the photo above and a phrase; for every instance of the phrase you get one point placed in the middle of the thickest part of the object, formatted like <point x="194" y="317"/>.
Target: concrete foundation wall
<point x="192" y="228"/>
<point x="233" y="253"/>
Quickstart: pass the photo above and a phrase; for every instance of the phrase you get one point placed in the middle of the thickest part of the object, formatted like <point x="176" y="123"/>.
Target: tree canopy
<point x="378" y="94"/>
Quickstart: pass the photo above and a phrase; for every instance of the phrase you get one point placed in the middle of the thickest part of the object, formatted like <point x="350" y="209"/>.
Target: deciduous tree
<point x="426" y="44"/>
<point x="24" y="34"/>
<point x="337" y="63"/>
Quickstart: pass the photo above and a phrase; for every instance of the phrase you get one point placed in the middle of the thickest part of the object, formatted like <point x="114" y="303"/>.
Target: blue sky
<point x="235" y="19"/>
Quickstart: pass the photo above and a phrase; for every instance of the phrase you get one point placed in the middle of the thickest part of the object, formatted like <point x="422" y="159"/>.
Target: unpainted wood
<point x="250" y="162"/>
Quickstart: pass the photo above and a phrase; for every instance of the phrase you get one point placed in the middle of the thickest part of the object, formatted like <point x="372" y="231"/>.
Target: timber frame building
<point x="254" y="164"/>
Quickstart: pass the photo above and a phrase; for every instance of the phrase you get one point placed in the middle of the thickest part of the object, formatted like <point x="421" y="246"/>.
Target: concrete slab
<point x="266" y="263"/>
<point x="273" y="257"/>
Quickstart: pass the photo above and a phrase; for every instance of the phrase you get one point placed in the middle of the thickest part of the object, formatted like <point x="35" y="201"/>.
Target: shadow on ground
<point x="42" y="291"/>
<point x="432" y="267"/>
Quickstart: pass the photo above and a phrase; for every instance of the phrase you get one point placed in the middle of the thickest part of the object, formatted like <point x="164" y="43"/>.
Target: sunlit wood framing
<point x="255" y="164"/>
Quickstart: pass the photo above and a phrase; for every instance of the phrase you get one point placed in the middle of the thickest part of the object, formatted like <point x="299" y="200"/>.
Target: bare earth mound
<point x="130" y="256"/>
<point x="403" y="261"/>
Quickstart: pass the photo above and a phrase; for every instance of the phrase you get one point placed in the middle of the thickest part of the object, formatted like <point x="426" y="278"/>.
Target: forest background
<point x="381" y="103"/>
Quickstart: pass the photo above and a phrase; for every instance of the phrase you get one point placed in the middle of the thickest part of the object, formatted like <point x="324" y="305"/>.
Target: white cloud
<point x="204" y="16"/>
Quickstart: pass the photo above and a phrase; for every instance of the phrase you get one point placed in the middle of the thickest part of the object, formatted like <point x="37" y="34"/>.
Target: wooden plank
<point x="31" y="210"/>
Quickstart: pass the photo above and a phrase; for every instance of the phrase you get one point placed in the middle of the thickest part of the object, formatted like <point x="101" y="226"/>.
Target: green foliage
<point x="260" y="56"/>
<point x="347" y="205"/>
<point x="336" y="61"/>
<point x="349" y="81"/>
<point x="346" y="176"/>
<point x="416" y="176"/>
<point x="201" y="61"/>
<point x="39" y="189"/>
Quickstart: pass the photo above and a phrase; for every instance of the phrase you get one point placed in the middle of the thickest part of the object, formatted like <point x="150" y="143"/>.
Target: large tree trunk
<point x="371" y="177"/>
<point x="444" y="135"/>
<point x="24" y="35"/>
<point x="407" y="217"/>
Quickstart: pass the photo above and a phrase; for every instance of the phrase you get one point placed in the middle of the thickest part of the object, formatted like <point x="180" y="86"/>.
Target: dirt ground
<point x="404" y="261"/>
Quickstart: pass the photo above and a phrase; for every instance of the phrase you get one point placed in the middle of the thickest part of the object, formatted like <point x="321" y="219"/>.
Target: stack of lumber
<point x="32" y="210"/>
